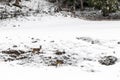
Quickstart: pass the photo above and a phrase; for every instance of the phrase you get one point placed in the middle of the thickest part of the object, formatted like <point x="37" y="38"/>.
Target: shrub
<point x="107" y="6"/>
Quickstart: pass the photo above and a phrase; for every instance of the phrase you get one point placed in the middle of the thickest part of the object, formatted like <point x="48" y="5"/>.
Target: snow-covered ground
<point x="84" y="43"/>
<point x="60" y="33"/>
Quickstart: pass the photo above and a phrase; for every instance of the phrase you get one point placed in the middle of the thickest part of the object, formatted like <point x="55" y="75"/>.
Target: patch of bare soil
<point x="52" y="56"/>
<point x="60" y="58"/>
<point x="14" y="54"/>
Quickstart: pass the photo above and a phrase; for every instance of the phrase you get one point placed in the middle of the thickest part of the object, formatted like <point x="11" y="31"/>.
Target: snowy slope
<point x="84" y="42"/>
<point x="64" y="31"/>
<point x="70" y="73"/>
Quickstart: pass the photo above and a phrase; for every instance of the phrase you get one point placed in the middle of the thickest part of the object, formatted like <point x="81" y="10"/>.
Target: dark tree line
<point x="106" y="6"/>
<point x="69" y="3"/>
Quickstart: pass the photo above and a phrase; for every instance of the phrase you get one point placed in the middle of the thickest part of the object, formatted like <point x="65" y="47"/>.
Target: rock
<point x="108" y="60"/>
<point x="14" y="46"/>
<point x="118" y="42"/>
<point x="59" y="52"/>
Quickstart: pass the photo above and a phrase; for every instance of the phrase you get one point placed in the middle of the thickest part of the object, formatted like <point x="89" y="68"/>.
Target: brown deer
<point x="36" y="50"/>
<point x="57" y="63"/>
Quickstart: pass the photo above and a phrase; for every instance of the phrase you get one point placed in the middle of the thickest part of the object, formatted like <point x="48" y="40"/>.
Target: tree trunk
<point x="81" y="4"/>
<point x="58" y="3"/>
<point x="74" y="7"/>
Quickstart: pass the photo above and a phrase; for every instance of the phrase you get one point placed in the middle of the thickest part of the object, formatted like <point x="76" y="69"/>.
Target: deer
<point x="57" y="63"/>
<point x="36" y="50"/>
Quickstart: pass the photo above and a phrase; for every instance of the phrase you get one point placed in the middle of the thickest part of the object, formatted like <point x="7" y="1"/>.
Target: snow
<point x="70" y="73"/>
<point x="73" y="35"/>
<point x="63" y="30"/>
